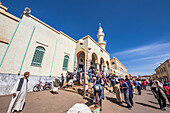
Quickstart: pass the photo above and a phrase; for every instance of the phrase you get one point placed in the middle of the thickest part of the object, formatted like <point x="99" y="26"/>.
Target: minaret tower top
<point x="100" y="36"/>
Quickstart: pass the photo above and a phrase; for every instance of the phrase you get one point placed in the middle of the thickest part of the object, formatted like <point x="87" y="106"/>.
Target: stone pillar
<point x="75" y="65"/>
<point x="97" y="65"/>
<point x="88" y="63"/>
<point x="104" y="68"/>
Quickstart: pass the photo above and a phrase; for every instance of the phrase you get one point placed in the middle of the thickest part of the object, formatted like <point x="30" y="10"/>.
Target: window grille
<point x="65" y="62"/>
<point x="38" y="56"/>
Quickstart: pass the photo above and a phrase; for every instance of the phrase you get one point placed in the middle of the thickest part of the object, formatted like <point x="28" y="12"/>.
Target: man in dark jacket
<point x="125" y="89"/>
<point x="130" y="89"/>
<point x="62" y="80"/>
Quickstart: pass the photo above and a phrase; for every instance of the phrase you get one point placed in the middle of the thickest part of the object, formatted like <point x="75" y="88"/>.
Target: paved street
<point x="45" y="102"/>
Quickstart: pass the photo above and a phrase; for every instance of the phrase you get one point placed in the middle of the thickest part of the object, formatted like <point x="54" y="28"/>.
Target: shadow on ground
<point x="89" y="101"/>
<point x="149" y="93"/>
<point x="147" y="105"/>
<point x="167" y="105"/>
<point x="113" y="100"/>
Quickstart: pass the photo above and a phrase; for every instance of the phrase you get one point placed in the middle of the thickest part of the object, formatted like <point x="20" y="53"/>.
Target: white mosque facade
<point x="28" y="44"/>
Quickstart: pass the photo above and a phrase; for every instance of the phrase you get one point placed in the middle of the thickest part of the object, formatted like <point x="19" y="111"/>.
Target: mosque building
<point x="28" y="44"/>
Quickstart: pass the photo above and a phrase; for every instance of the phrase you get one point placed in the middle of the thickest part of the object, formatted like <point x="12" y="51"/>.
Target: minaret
<point x="100" y="36"/>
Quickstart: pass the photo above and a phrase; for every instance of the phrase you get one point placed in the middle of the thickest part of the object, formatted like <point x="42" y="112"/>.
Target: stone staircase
<point x="76" y="88"/>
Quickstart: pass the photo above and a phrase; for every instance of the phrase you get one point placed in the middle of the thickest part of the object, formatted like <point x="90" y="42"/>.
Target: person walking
<point x="161" y="95"/>
<point x="118" y="92"/>
<point x="98" y="85"/>
<point x="125" y="89"/>
<point x="62" y="80"/>
<point x="137" y="83"/>
<point x="144" y="84"/>
<point x="19" y="94"/>
<point x="130" y="89"/>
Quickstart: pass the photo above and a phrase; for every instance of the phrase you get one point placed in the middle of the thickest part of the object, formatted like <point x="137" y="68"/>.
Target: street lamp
<point x="81" y="42"/>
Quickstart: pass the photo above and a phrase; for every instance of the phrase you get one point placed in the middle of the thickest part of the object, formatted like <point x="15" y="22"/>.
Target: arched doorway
<point x="94" y="61"/>
<point x="101" y="64"/>
<point x="107" y="64"/>
<point x="80" y="59"/>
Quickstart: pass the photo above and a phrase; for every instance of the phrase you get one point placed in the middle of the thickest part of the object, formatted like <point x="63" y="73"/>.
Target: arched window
<point x="65" y="62"/>
<point x="38" y="56"/>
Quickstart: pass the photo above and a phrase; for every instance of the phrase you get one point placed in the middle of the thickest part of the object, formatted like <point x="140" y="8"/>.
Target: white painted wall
<point x="7" y="28"/>
<point x="45" y="36"/>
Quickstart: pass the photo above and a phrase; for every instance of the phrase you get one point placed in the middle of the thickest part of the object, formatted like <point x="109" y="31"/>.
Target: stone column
<point x="97" y="65"/>
<point x="104" y="68"/>
<point x="75" y="65"/>
<point x="88" y="63"/>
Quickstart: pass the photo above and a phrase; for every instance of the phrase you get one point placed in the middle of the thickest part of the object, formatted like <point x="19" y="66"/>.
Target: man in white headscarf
<point x="19" y="94"/>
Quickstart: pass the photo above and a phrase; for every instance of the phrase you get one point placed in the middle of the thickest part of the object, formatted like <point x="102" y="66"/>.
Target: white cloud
<point x="148" y="49"/>
<point x="157" y="57"/>
<point x="143" y="60"/>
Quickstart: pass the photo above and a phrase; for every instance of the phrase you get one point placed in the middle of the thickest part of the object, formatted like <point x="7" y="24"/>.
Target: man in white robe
<point x="19" y="94"/>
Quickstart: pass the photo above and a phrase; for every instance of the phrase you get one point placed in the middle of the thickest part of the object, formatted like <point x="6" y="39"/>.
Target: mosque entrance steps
<point x="78" y="88"/>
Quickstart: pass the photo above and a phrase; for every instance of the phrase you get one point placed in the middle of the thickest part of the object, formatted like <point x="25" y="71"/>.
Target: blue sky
<point x="137" y="31"/>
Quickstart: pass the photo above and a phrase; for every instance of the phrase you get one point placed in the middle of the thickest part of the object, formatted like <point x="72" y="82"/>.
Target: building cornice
<point x="10" y="16"/>
<point x="68" y="36"/>
<point x="3" y="7"/>
<point x="94" y="42"/>
<point x="59" y="32"/>
<point x="162" y="64"/>
<point x="41" y="22"/>
<point x="4" y="40"/>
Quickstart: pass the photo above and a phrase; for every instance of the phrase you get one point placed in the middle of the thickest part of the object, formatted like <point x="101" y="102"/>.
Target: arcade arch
<point x="102" y="64"/>
<point x="80" y="59"/>
<point x="94" y="61"/>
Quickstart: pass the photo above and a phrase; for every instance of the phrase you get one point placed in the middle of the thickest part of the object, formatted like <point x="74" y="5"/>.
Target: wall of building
<point x="118" y="67"/>
<point x="95" y="49"/>
<point x="7" y="28"/>
<point x="42" y="36"/>
<point x="163" y="71"/>
<point x="100" y="53"/>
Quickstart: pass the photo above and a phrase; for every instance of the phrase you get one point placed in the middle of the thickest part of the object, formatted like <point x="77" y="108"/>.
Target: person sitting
<point x="56" y="84"/>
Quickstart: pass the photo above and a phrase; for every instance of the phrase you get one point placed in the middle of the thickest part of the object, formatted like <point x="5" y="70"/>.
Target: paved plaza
<point x="46" y="102"/>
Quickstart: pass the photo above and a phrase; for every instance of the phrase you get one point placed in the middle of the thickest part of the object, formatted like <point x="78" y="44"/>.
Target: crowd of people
<point x="99" y="79"/>
<point x="119" y="85"/>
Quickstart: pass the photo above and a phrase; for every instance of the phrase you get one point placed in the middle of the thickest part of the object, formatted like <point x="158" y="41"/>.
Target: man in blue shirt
<point x="138" y="86"/>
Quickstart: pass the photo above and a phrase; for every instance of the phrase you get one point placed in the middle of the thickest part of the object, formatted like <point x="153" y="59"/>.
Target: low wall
<point x="7" y="82"/>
